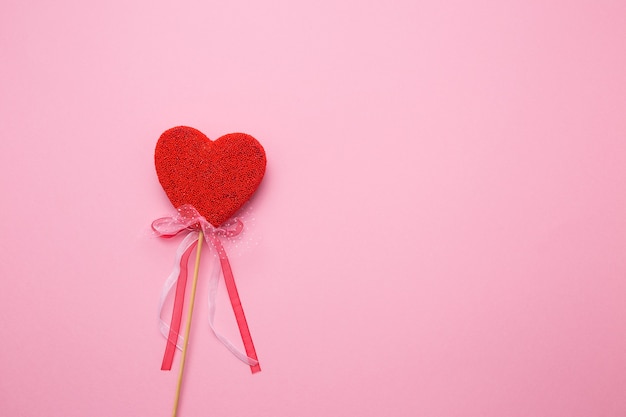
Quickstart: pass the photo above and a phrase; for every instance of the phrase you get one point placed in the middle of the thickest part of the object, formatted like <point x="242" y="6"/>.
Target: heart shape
<point x="216" y="177"/>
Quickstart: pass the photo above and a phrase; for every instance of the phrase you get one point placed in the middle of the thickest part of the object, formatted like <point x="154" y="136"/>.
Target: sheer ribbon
<point x="188" y="219"/>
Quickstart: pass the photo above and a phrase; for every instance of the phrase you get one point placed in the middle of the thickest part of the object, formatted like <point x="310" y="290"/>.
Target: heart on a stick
<point x="216" y="177"/>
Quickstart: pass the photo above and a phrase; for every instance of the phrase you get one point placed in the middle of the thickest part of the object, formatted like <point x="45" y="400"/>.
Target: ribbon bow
<point x="188" y="219"/>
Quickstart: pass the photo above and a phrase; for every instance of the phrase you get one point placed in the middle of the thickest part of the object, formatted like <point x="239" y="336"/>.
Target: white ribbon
<point x="170" y="283"/>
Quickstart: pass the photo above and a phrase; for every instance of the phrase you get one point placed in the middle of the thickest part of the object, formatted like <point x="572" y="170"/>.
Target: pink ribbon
<point x="188" y="219"/>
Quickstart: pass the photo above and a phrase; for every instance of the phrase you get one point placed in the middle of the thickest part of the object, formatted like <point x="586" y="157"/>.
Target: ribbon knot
<point x="188" y="219"/>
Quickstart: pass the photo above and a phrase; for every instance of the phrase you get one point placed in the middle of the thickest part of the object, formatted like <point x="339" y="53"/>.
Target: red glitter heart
<point x="216" y="177"/>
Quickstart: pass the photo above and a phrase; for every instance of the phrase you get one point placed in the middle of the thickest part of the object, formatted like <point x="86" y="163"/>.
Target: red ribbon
<point x="189" y="219"/>
<point x="235" y="302"/>
<point x="177" y="314"/>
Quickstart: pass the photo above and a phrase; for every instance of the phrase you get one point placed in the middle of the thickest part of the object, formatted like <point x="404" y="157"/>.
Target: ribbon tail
<point x="235" y="302"/>
<point x="172" y="332"/>
<point x="214" y="279"/>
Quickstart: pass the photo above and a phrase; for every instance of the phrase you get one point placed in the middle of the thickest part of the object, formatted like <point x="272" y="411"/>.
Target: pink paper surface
<point x="441" y="230"/>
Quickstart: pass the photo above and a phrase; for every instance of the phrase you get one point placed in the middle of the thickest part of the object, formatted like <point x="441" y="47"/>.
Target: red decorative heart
<point x="216" y="177"/>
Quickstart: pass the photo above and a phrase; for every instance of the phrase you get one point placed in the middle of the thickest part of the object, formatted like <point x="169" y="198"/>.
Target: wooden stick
<point x="188" y="328"/>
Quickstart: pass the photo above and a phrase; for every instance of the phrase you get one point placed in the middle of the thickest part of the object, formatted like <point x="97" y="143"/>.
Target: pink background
<point x="442" y="224"/>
